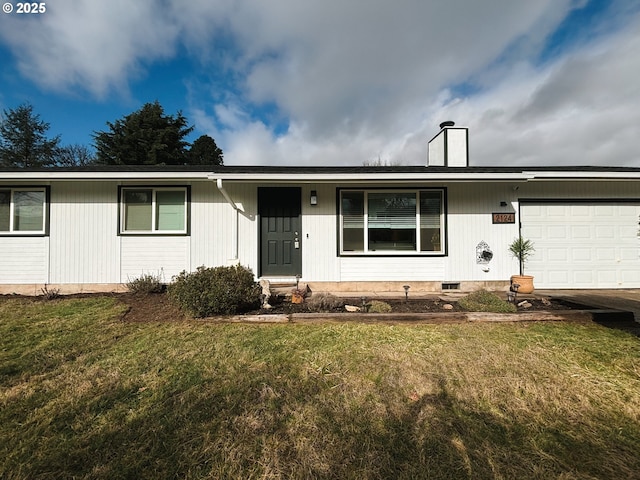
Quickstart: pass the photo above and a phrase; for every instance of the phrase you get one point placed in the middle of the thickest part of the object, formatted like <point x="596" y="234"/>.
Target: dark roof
<point x="245" y="169"/>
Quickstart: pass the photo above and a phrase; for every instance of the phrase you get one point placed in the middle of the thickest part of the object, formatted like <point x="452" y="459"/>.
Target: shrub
<point x="324" y="302"/>
<point x="50" y="294"/>
<point x="214" y="291"/>
<point x="145" y="283"/>
<point x="483" y="301"/>
<point x="377" y="306"/>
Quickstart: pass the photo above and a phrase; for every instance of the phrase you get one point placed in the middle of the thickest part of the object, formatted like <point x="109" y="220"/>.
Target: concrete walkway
<point x="623" y="299"/>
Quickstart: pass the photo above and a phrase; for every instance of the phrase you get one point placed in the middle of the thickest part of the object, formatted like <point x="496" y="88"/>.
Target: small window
<point x="154" y="210"/>
<point x="392" y="222"/>
<point x="23" y="211"/>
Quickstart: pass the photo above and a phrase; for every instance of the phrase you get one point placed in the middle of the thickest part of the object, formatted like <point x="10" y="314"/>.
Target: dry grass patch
<point x="84" y="395"/>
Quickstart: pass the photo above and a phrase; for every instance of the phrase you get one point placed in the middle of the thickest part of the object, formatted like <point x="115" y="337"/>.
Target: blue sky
<point x="334" y="82"/>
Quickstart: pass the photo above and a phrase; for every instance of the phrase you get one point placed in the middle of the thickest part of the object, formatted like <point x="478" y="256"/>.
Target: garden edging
<point x="432" y="318"/>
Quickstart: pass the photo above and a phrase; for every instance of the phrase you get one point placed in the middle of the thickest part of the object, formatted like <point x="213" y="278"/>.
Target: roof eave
<point x="97" y="176"/>
<point x="367" y="178"/>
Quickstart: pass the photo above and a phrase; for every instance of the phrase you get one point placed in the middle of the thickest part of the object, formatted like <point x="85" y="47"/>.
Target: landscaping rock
<point x="447" y="306"/>
<point x="352" y="308"/>
<point x="525" y="304"/>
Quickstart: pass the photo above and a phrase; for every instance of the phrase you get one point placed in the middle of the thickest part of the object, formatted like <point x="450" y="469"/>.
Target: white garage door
<point x="583" y="244"/>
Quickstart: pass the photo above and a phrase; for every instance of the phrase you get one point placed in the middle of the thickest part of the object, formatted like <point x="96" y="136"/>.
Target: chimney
<point x="450" y="147"/>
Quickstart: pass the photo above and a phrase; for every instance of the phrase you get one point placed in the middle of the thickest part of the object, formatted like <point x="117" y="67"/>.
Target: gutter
<point x="367" y="178"/>
<point x="236" y="223"/>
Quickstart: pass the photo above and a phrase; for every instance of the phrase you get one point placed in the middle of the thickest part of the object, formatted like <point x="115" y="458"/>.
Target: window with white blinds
<point x="391" y="221"/>
<point x="23" y="211"/>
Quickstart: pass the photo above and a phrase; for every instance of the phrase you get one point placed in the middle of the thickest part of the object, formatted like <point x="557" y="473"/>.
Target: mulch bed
<point x="156" y="307"/>
<point x="434" y="304"/>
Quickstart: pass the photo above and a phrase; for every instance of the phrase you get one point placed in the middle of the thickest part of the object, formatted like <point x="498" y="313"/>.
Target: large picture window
<point x="154" y="210"/>
<point x="23" y="211"/>
<point x="391" y="221"/>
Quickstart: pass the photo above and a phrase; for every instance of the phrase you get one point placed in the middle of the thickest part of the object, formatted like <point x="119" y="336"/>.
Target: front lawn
<point x="84" y="394"/>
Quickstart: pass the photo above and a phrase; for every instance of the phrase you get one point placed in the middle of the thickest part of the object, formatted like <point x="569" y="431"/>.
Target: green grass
<point x="85" y="395"/>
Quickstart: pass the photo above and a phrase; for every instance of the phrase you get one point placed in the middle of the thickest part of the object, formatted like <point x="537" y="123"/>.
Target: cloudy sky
<point x="341" y="82"/>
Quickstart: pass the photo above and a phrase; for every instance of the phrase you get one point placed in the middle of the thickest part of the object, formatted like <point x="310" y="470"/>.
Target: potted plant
<point x="522" y="249"/>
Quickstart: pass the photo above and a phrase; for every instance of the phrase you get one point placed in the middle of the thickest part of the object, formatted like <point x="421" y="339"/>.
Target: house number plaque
<point x="504" y="217"/>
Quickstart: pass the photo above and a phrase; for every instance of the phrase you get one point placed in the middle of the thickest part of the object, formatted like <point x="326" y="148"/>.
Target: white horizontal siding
<point x="164" y="256"/>
<point x="24" y="259"/>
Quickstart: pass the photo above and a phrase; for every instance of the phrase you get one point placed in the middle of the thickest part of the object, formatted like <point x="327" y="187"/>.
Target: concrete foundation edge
<point x="340" y="288"/>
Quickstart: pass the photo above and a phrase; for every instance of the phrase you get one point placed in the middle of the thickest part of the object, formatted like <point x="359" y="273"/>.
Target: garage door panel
<point x="582" y="278"/>
<point x="605" y="232"/>
<point x="628" y="254"/>
<point x="580" y="232"/>
<point x="581" y="254"/>
<point x="630" y="276"/>
<point x="577" y="211"/>
<point x="558" y="211"/>
<point x="607" y="254"/>
<point x="583" y="244"/>
<point x="557" y="254"/>
<point x="554" y="277"/>
<point x="604" y="210"/>
<point x="558" y="232"/>
<point x="628" y="232"/>
<point x="609" y="277"/>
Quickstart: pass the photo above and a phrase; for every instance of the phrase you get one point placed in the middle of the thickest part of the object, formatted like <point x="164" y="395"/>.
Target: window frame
<point x="391" y="253"/>
<point x="186" y="231"/>
<point x="44" y="231"/>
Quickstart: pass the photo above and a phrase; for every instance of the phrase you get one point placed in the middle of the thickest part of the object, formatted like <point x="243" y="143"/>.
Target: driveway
<point x="623" y="299"/>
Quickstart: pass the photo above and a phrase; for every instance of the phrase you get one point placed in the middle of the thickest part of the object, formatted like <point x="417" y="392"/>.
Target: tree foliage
<point x="23" y="139"/>
<point x="144" y="137"/>
<point x="204" y="151"/>
<point x="75" y="155"/>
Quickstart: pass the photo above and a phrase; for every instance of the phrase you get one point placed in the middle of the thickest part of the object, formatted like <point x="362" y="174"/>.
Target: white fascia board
<point x="369" y="177"/>
<point x="577" y="175"/>
<point x="90" y="176"/>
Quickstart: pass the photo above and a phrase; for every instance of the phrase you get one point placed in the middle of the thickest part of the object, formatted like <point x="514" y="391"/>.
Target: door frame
<point x="262" y="194"/>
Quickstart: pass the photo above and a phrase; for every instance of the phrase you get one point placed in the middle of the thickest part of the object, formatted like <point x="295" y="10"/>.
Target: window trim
<point x="44" y="232"/>
<point x="154" y="189"/>
<point x="392" y="253"/>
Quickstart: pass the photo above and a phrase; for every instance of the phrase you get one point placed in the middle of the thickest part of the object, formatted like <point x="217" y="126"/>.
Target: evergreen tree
<point x="144" y="137"/>
<point x="23" y="140"/>
<point x="204" y="151"/>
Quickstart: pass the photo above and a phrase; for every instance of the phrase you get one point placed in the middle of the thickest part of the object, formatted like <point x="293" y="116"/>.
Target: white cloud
<point x="581" y="110"/>
<point x="89" y="46"/>
<point x="358" y="80"/>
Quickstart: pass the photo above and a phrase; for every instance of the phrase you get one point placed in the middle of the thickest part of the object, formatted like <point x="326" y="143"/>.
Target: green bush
<point x="324" y="302"/>
<point x="215" y="291"/>
<point x="145" y="283"/>
<point x="483" y="301"/>
<point x="377" y="306"/>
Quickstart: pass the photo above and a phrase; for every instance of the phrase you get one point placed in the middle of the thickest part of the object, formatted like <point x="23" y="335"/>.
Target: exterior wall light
<point x="314" y="198"/>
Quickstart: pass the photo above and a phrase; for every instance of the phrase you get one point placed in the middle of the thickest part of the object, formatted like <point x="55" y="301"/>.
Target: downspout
<point x="234" y="228"/>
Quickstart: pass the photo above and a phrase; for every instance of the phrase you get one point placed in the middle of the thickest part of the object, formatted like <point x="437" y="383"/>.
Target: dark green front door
<point x="280" y="239"/>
